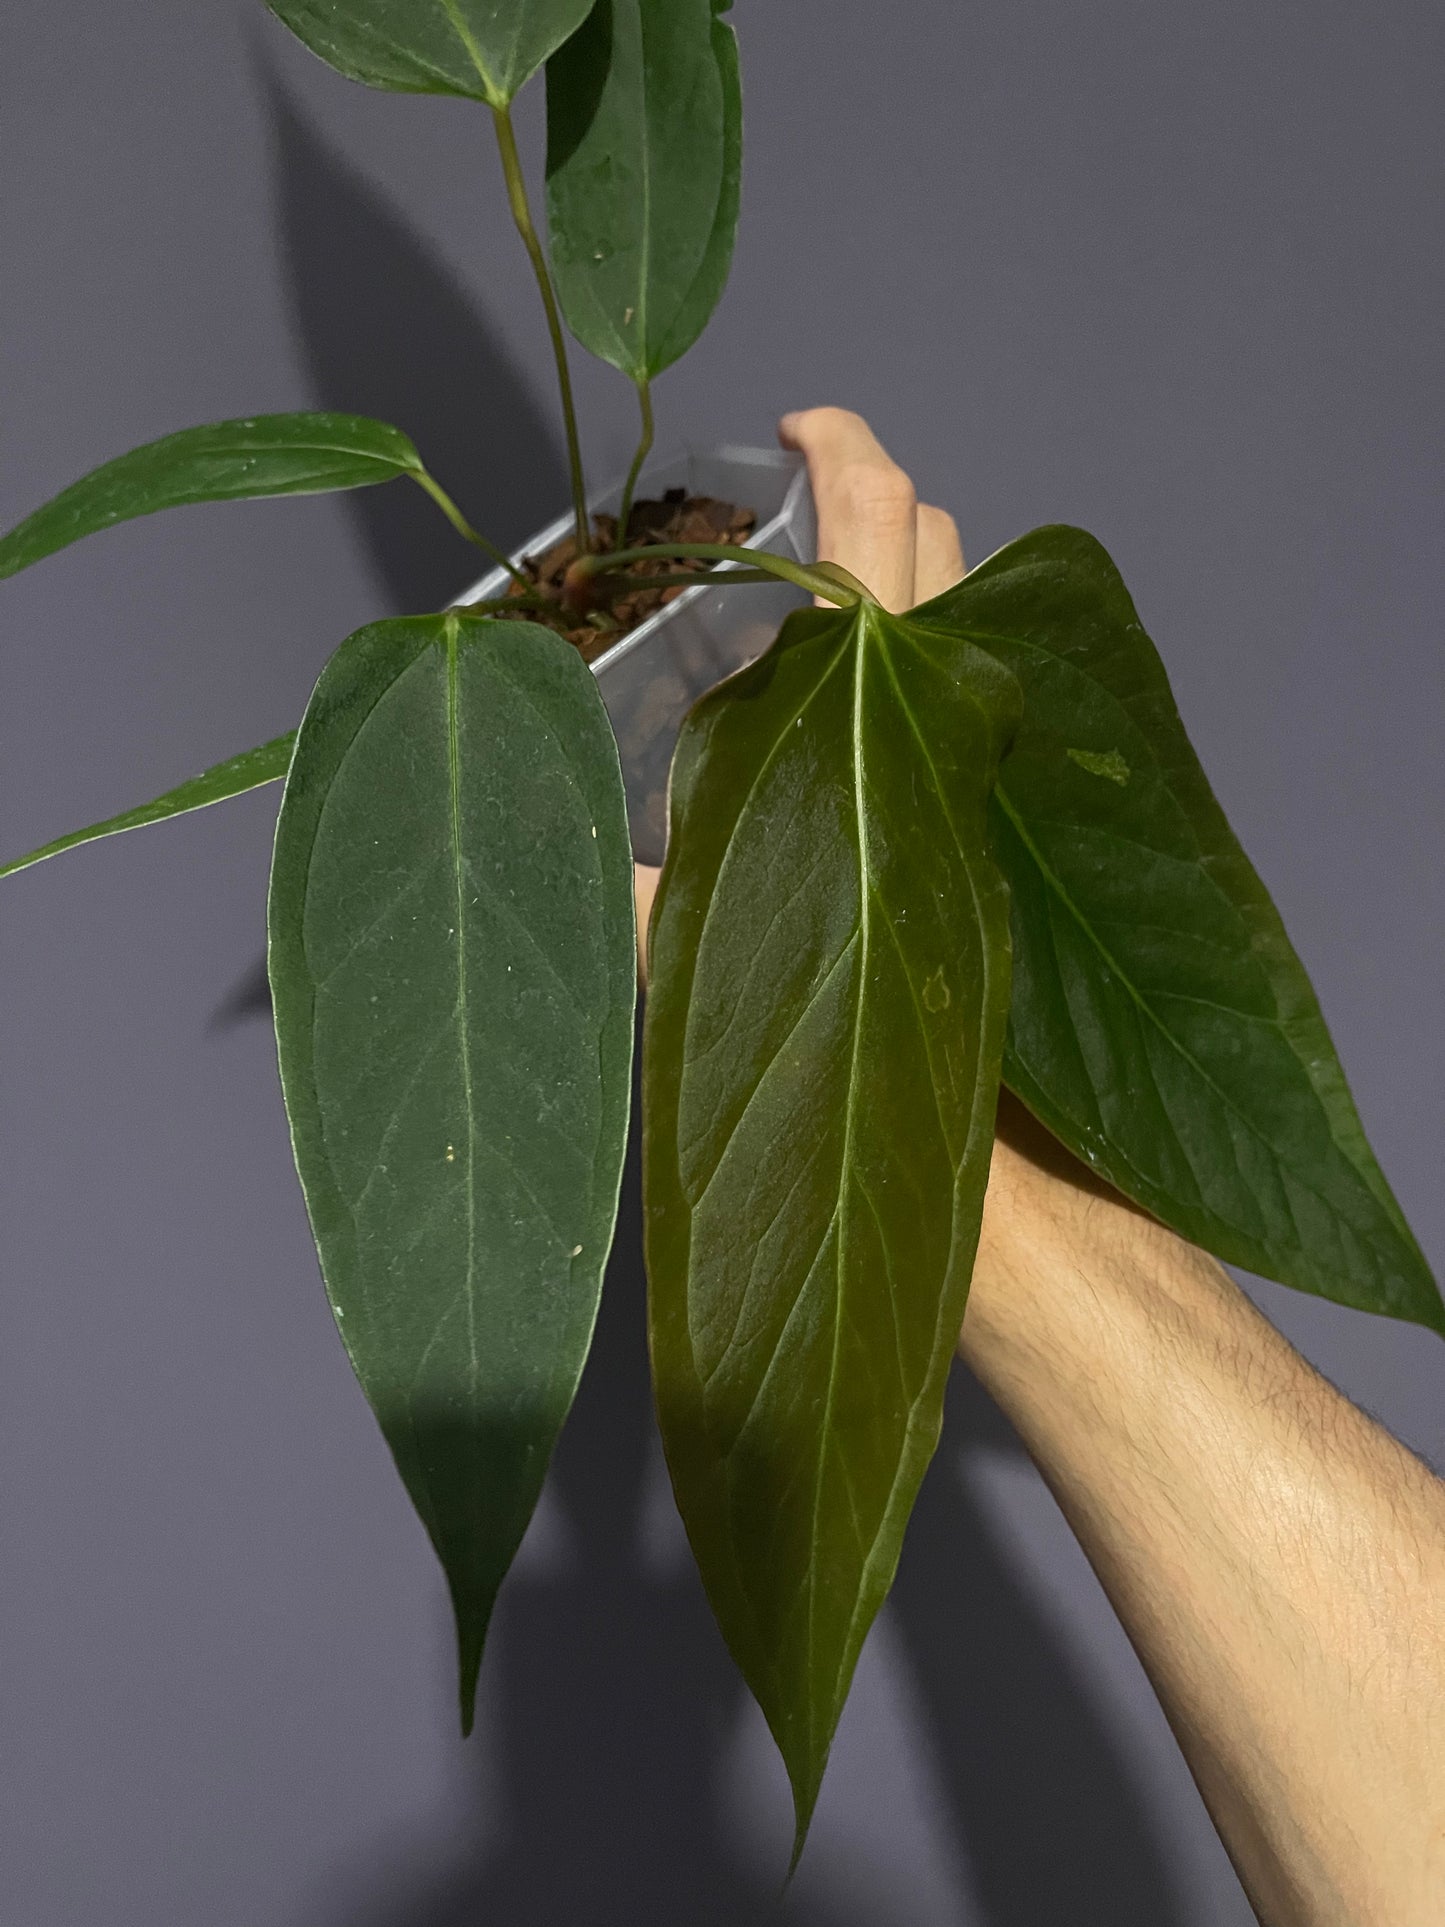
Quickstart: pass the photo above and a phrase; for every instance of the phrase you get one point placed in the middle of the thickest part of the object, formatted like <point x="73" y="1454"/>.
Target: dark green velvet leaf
<point x="1162" y="1025"/>
<point x="234" y="777"/>
<point x="696" y="309"/>
<point x="481" y="49"/>
<point x="453" y="972"/>
<point x="222" y="462"/>
<point x="644" y="161"/>
<point x="828" y="993"/>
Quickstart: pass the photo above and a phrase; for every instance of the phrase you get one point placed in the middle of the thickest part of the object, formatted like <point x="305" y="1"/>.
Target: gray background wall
<point x="1168" y="272"/>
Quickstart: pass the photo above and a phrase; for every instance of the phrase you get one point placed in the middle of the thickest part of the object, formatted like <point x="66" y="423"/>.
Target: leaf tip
<point x="469" y="1666"/>
<point x="802" y="1821"/>
<point x="806" y="1779"/>
<point x="472" y="1616"/>
<point x="1434" y="1320"/>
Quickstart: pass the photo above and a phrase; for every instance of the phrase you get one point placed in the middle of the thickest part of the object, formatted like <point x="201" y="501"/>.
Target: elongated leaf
<point x="695" y="311"/>
<point x="644" y="159"/>
<point x="234" y="777"/>
<point x="453" y="975"/>
<point x="1162" y="1025"/>
<point x="828" y="993"/>
<point x="222" y="462"/>
<point x="482" y="49"/>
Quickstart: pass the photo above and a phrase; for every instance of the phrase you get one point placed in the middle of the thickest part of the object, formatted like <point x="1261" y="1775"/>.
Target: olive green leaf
<point x="828" y="993"/>
<point x="1162" y="1025"/>
<point x="234" y="777"/>
<point x="453" y="973"/>
<point x="482" y="49"/>
<point x="644" y="161"/>
<point x="222" y="462"/>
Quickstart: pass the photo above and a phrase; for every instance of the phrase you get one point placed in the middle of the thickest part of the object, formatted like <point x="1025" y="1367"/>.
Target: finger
<point x="939" y="560"/>
<point x="867" y="509"/>
<point x="644" y="889"/>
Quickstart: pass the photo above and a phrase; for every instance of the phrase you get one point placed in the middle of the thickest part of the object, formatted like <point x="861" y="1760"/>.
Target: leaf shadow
<point x="1050" y="1818"/>
<point x="607" y="1697"/>
<point x="248" y="997"/>
<point x="597" y="1779"/>
<point x="386" y="329"/>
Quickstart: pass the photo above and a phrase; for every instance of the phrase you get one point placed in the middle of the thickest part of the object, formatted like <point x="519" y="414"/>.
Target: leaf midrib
<point x="860" y="646"/>
<point x="984" y="1002"/>
<point x="455" y="825"/>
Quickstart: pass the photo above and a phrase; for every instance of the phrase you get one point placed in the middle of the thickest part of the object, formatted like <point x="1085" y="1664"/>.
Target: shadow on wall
<point x="385" y="330"/>
<point x="615" y="1697"/>
<point x="598" y="1781"/>
<point x="1044" y="1810"/>
<point x="609" y="1706"/>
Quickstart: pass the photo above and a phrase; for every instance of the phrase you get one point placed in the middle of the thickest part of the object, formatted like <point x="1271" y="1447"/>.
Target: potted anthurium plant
<point x="907" y="856"/>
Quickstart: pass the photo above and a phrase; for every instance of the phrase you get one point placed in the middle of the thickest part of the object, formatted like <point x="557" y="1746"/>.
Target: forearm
<point x="1277" y="1559"/>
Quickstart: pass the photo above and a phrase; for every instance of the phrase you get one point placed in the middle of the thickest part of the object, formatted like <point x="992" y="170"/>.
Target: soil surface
<point x="677" y="517"/>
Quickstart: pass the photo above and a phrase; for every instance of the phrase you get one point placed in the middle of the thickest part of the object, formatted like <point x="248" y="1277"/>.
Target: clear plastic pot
<point x="652" y="677"/>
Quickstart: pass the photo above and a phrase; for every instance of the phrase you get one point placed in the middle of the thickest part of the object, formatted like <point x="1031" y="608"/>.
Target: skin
<point x="1277" y="1559"/>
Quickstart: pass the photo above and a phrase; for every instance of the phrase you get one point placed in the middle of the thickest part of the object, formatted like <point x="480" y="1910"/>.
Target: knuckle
<point x="877" y="492"/>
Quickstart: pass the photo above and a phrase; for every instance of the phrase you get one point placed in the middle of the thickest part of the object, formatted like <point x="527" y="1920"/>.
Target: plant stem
<point x="463" y="527"/>
<point x="644" y="449"/>
<point x="836" y="586"/>
<point x="509" y="604"/>
<point x="522" y="215"/>
<point x="685" y="579"/>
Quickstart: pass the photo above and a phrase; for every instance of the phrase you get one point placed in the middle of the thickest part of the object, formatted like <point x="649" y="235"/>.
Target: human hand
<point x="871" y="522"/>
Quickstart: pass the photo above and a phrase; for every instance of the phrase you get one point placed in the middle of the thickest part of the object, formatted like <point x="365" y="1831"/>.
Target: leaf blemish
<point x="936" y="994"/>
<point x="1107" y="763"/>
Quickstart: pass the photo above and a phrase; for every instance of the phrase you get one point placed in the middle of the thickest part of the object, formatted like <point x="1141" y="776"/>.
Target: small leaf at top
<point x="828" y="992"/>
<point x="453" y="971"/>
<point x="644" y="159"/>
<point x="481" y="49"/>
<point x="1162" y="1025"/>
<point x="248" y="771"/>
<point x="222" y="462"/>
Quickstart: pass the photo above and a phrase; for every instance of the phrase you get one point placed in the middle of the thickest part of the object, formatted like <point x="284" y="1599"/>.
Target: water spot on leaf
<point x="1107" y="763"/>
